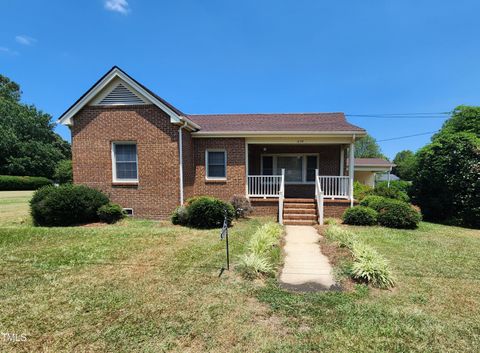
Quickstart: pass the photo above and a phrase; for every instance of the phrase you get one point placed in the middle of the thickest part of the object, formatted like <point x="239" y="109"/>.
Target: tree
<point x="405" y="165"/>
<point x="28" y="144"/>
<point x="63" y="172"/>
<point x="446" y="183"/>
<point x="367" y="147"/>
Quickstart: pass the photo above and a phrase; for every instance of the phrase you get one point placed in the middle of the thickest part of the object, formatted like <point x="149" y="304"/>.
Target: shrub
<point x="399" y="214"/>
<point x="400" y="185"/>
<point x="370" y="267"/>
<point x="360" y="216"/>
<point x="390" y="192"/>
<point x="66" y="205"/>
<point x="14" y="183"/>
<point x="376" y="202"/>
<point x="111" y="213"/>
<point x="360" y="191"/>
<point x="209" y="212"/>
<point x="63" y="172"/>
<point x="242" y="206"/>
<point x="180" y="216"/>
<point x="446" y="183"/>
<point x="253" y="265"/>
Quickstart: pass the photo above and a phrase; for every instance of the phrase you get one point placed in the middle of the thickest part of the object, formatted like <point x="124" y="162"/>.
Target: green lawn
<point x="144" y="286"/>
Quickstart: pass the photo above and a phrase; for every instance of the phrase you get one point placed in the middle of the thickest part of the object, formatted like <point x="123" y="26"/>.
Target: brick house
<point x="150" y="157"/>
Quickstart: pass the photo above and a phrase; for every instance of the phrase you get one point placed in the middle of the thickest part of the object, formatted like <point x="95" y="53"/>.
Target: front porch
<point x="317" y="173"/>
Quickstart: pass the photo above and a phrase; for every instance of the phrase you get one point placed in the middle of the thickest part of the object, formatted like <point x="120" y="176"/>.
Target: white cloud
<point x="8" y="51"/>
<point x="117" y="6"/>
<point x="25" y="40"/>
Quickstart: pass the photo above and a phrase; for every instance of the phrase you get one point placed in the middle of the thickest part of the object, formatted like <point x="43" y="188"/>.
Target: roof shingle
<point x="329" y="122"/>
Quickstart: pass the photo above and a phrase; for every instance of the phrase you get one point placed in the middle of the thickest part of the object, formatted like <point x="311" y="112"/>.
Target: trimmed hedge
<point x="242" y="206"/>
<point x="66" y="205"/>
<point x="203" y="212"/>
<point x="399" y="214"/>
<point x="111" y="213"/>
<point x="391" y="193"/>
<point x="14" y="183"/>
<point x="360" y="216"/>
<point x="208" y="212"/>
<point x="376" y="202"/>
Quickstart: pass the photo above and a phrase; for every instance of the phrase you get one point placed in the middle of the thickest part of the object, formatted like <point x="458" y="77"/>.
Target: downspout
<point x="180" y="157"/>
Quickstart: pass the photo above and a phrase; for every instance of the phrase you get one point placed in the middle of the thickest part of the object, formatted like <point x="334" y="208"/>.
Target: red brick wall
<point x="235" y="183"/>
<point x="94" y="129"/>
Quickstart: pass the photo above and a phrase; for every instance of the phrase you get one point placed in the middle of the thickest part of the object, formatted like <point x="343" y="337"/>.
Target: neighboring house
<point x="150" y="157"/>
<point x="367" y="168"/>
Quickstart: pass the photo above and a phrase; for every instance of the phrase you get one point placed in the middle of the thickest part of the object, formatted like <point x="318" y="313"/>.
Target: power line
<point x="407" y="136"/>
<point x="440" y="115"/>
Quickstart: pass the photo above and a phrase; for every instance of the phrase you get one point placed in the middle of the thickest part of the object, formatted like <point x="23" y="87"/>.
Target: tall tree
<point x="367" y="147"/>
<point x="446" y="183"/>
<point x="405" y="165"/>
<point x="28" y="144"/>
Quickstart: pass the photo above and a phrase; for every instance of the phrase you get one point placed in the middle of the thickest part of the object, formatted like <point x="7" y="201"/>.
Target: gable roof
<point x="224" y="124"/>
<point x="303" y="122"/>
<point x="175" y="114"/>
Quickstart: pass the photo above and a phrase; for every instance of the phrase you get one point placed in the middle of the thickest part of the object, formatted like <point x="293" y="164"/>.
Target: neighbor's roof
<point x="304" y="122"/>
<point x="372" y="162"/>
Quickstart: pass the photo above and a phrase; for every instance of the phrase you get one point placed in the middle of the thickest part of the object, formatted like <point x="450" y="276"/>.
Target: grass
<point x="145" y="286"/>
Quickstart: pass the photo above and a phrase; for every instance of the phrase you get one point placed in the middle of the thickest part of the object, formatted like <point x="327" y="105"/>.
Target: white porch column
<point x="351" y="169"/>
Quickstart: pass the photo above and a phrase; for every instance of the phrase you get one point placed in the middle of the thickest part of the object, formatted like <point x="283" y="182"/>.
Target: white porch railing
<point x="264" y="185"/>
<point x="335" y="187"/>
<point x="319" y="198"/>
<point x="281" y="198"/>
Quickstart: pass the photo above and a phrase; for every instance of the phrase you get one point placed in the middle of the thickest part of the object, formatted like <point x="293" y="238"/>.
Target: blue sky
<point x="358" y="57"/>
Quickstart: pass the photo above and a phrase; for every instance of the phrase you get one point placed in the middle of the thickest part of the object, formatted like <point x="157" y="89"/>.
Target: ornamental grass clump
<point x="262" y="252"/>
<point x="370" y="267"/>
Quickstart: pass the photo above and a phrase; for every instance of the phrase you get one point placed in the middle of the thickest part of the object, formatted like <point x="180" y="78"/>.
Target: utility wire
<point x="402" y="116"/>
<point x="407" y="136"/>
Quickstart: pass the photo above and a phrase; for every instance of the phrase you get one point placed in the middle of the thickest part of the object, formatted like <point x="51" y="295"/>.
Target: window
<point x="125" y="162"/>
<point x="299" y="168"/>
<point x="216" y="164"/>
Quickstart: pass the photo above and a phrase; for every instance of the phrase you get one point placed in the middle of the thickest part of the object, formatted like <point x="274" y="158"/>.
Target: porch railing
<point x="335" y="187"/>
<point x="319" y="198"/>
<point x="264" y="185"/>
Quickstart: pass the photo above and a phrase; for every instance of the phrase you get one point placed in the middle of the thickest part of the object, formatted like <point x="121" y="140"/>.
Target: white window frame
<point x="206" y="163"/>
<point x="304" y="165"/>
<point x="114" y="162"/>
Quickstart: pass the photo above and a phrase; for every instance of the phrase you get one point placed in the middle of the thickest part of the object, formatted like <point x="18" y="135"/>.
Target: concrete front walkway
<point x="305" y="268"/>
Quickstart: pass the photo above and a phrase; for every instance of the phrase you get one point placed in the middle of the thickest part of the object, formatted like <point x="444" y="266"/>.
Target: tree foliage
<point x="367" y="147"/>
<point x="405" y="165"/>
<point x="446" y="185"/>
<point x="28" y="144"/>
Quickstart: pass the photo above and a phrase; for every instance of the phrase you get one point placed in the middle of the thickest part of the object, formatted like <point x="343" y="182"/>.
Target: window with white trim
<point x="299" y="168"/>
<point x="216" y="164"/>
<point x="125" y="161"/>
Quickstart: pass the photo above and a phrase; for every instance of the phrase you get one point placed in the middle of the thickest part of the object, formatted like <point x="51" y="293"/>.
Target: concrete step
<point x="304" y="217"/>
<point x="289" y="200"/>
<point x="299" y="222"/>
<point x="299" y="205"/>
<point x="300" y="210"/>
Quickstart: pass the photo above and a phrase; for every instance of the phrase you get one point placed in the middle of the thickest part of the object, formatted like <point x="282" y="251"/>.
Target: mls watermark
<point x="13" y="337"/>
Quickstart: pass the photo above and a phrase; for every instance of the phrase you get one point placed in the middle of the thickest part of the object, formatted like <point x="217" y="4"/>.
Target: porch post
<point x="351" y="169"/>
<point x="246" y="169"/>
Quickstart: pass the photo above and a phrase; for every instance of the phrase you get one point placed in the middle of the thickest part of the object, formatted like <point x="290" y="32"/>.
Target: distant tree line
<point x="28" y="144"/>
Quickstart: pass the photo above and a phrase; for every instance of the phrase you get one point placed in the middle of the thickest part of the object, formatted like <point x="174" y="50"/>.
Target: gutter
<point x="180" y="157"/>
